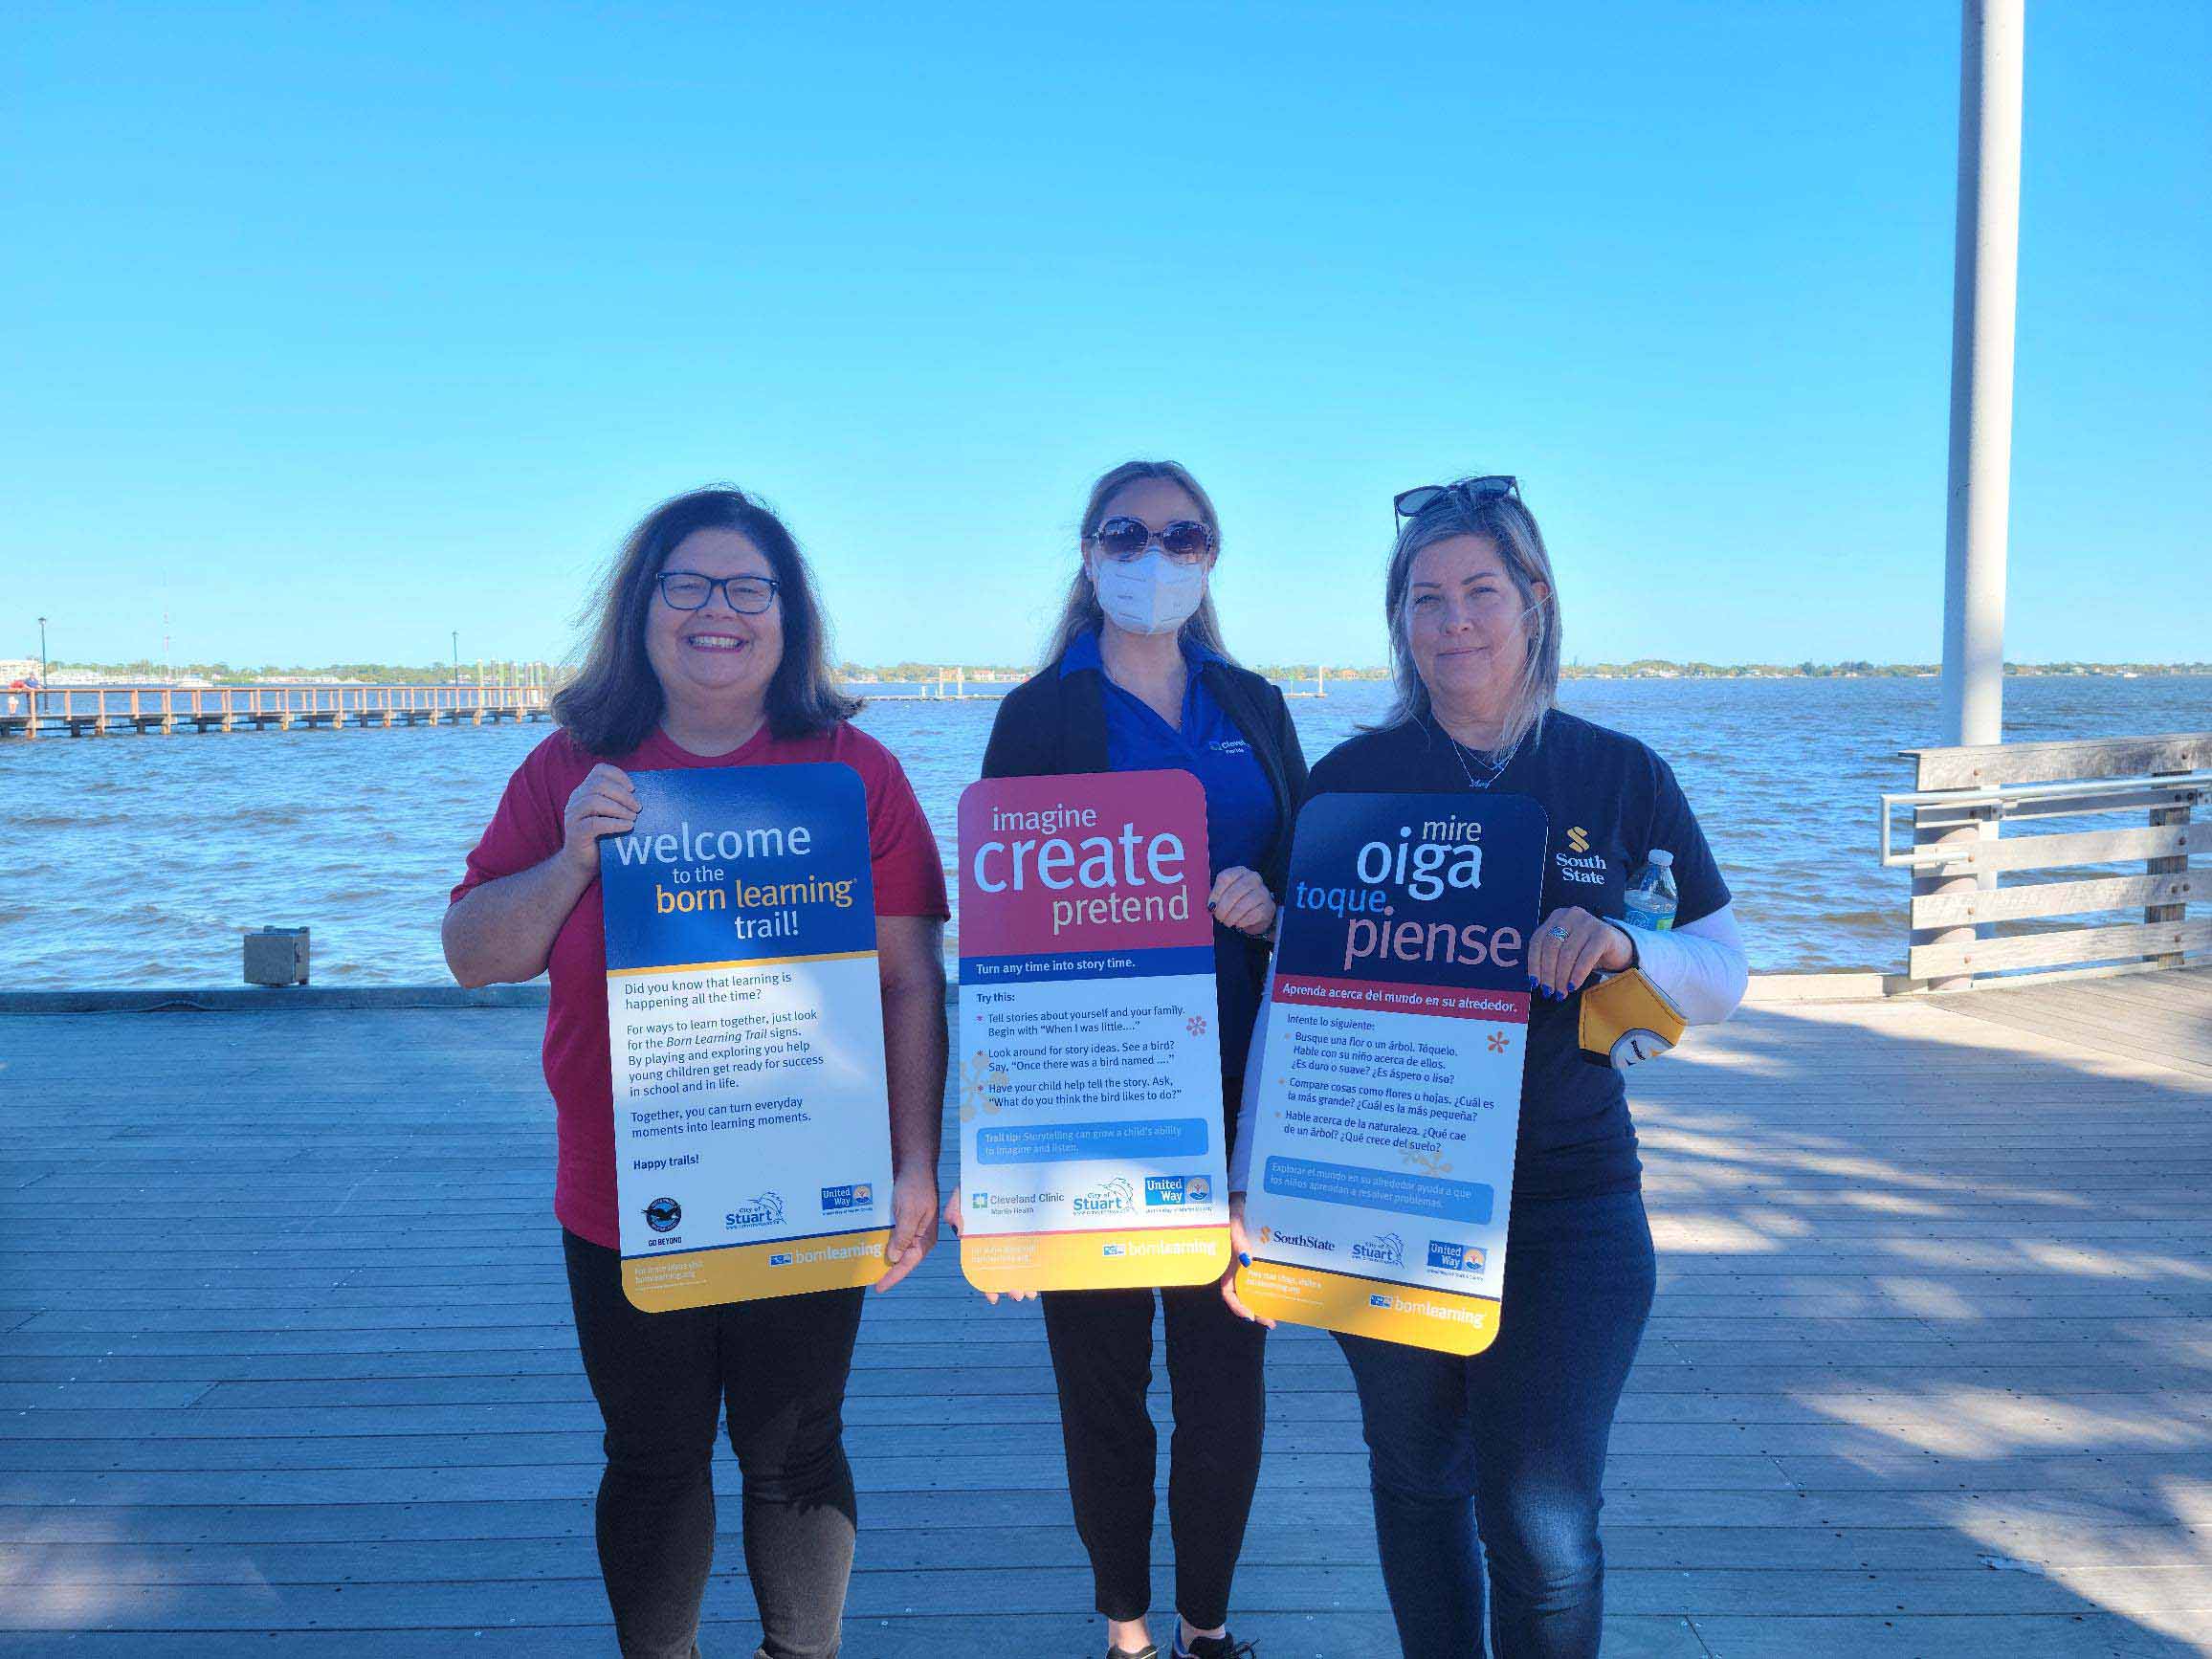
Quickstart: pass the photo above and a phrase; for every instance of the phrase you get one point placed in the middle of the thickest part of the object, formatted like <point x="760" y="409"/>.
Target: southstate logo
<point x="1577" y="840"/>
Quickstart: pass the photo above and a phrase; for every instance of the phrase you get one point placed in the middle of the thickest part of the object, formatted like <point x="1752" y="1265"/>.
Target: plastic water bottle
<point x="1651" y="899"/>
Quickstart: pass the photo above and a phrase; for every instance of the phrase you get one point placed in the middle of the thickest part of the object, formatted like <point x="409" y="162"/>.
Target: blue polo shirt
<point x="1240" y="809"/>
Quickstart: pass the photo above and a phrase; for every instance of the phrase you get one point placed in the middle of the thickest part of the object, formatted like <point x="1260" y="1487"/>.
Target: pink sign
<point x="1083" y="863"/>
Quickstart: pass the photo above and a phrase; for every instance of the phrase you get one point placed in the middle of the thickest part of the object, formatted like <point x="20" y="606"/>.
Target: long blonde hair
<point x="1081" y="613"/>
<point x="1504" y="521"/>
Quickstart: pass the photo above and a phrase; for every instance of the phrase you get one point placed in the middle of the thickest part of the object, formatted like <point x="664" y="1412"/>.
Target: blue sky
<point x="341" y="327"/>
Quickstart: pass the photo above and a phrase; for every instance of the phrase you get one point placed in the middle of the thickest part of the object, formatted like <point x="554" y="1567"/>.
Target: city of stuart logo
<point x="765" y="1210"/>
<point x="1387" y="1250"/>
<point x="1113" y="1196"/>
<point x="663" y="1214"/>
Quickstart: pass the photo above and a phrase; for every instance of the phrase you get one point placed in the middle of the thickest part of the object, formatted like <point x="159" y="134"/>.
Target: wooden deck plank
<point x="1936" y="1294"/>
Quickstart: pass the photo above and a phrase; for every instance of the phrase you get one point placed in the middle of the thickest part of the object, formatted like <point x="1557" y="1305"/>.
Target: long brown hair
<point x="1082" y="612"/>
<point x="615" y="700"/>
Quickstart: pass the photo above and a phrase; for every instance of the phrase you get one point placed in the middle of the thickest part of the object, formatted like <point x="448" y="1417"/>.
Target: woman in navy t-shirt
<point x="1137" y="679"/>
<point x="1509" y="1445"/>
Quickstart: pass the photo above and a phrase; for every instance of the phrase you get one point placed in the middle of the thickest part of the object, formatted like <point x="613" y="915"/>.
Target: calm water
<point x="136" y="861"/>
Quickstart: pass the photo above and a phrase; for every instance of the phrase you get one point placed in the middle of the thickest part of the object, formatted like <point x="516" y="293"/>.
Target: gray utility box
<point x="277" y="956"/>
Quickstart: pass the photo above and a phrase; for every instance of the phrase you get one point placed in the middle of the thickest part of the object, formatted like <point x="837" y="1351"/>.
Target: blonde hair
<point x="1081" y="613"/>
<point x="1505" y="522"/>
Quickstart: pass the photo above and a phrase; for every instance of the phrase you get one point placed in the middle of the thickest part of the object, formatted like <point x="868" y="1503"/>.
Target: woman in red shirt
<point x="710" y="651"/>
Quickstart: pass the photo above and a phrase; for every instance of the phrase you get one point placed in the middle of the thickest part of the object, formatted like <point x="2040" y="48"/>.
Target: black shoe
<point x="1222" y="1647"/>
<point x="1151" y="1651"/>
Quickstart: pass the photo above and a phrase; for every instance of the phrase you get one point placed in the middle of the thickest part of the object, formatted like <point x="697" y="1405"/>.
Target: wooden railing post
<point x="1940" y="825"/>
<point x="2177" y="813"/>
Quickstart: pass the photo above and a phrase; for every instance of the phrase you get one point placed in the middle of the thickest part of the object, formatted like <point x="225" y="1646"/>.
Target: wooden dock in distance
<point x="286" y="1363"/>
<point x="167" y="711"/>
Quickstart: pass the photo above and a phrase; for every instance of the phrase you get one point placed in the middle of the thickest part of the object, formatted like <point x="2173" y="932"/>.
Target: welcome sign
<point x="1089" y="1054"/>
<point x="752" y="1133"/>
<point x="1389" y="1083"/>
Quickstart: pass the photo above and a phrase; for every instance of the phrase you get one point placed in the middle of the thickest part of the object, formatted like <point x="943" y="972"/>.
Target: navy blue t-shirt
<point x="1611" y="801"/>
<point x="1240" y="804"/>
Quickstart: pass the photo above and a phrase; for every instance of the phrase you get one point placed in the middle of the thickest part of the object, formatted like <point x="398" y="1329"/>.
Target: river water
<point x="136" y="861"/>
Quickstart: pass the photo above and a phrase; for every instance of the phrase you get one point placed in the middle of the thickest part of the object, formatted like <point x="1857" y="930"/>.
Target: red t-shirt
<point x="526" y="830"/>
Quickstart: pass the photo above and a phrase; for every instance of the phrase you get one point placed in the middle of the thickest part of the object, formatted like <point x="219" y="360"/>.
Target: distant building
<point x="16" y="668"/>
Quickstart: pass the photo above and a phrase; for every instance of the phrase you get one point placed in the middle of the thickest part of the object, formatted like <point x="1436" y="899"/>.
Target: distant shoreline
<point x="217" y="673"/>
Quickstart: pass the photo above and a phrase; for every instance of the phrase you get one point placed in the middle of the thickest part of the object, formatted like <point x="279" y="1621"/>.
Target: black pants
<point x="662" y="1381"/>
<point x="1102" y="1359"/>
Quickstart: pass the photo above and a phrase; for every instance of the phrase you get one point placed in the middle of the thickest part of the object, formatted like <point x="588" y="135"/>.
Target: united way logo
<point x="765" y="1210"/>
<point x="1177" y="1190"/>
<point x="663" y="1215"/>
<point x="1388" y="1250"/>
<point x="1455" y="1258"/>
<point x="837" y="1200"/>
<point x="1115" y="1197"/>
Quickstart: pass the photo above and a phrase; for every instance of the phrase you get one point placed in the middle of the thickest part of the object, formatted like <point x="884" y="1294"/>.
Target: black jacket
<point x="1057" y="723"/>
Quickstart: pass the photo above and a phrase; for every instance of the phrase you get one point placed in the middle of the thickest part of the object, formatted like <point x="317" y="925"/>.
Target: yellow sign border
<point x="1447" y="1322"/>
<point x="1079" y="1261"/>
<point x="699" y="1278"/>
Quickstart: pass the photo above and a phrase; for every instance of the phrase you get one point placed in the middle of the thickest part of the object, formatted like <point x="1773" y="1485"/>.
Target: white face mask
<point x="1151" y="593"/>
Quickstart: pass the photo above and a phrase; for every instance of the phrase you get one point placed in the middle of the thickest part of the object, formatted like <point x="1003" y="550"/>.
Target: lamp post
<point x="1984" y="288"/>
<point x="45" y="674"/>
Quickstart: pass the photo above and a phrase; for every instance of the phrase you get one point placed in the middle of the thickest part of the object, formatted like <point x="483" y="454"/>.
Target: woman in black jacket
<point x="1137" y="679"/>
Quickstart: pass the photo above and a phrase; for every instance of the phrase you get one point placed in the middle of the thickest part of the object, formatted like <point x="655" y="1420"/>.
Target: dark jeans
<point x="1102" y="1359"/>
<point x="1509" y="1445"/>
<point x="662" y="1381"/>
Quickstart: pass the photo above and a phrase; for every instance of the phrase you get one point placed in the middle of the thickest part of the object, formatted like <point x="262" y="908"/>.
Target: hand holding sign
<point x="1089" y="1043"/>
<point x="1388" y="1090"/>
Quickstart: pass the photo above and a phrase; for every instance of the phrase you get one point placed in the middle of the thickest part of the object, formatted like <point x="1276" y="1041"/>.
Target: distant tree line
<point x="1644" y="667"/>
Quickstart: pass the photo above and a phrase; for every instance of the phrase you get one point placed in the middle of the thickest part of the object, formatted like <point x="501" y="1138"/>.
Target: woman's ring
<point x="1559" y="933"/>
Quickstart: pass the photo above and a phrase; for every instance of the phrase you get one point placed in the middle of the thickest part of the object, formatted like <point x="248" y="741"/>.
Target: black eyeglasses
<point x="1125" y="538"/>
<point x="689" y="590"/>
<point x="1467" y="493"/>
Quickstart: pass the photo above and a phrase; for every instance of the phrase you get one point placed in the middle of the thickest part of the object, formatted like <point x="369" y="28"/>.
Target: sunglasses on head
<point x="1469" y="493"/>
<point x="1125" y="538"/>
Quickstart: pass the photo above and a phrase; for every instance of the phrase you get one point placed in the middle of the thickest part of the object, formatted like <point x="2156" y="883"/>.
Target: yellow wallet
<point x="1627" y="1018"/>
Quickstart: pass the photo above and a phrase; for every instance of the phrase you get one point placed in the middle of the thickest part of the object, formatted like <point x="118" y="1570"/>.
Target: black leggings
<point x="661" y="1380"/>
<point x="1102" y="1360"/>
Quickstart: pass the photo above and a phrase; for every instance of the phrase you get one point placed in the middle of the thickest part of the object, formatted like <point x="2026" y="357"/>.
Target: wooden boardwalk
<point x="286" y="1368"/>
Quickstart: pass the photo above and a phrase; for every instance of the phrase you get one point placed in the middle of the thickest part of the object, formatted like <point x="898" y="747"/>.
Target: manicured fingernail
<point x="1245" y="1257"/>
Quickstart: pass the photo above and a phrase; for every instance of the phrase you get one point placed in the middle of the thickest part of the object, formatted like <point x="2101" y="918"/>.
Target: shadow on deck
<point x="284" y="1350"/>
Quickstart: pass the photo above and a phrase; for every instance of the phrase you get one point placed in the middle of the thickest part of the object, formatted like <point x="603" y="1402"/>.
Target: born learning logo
<point x="765" y="1210"/>
<point x="1388" y="1249"/>
<point x="1112" y="1198"/>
